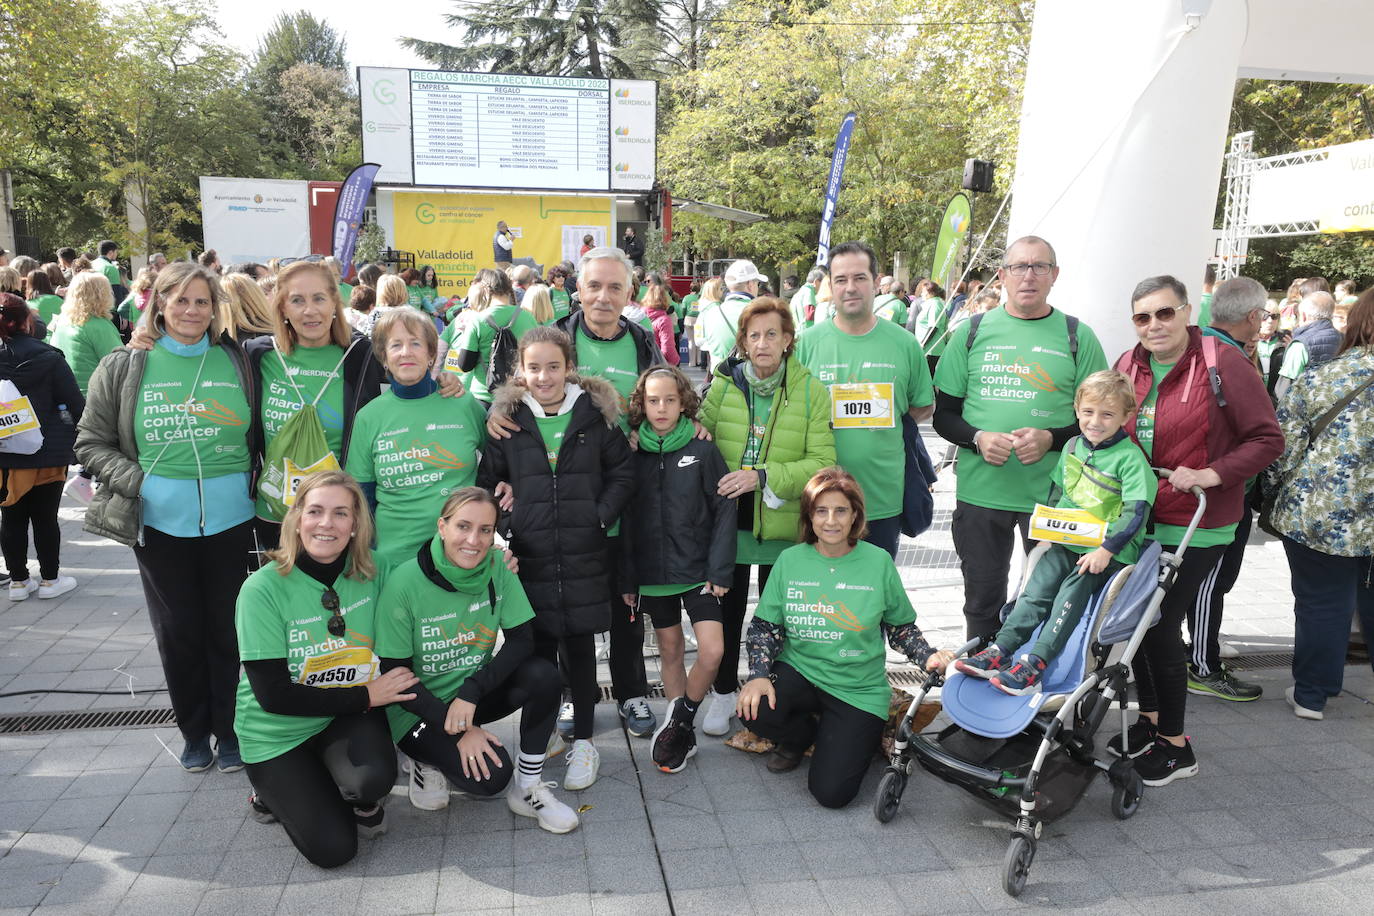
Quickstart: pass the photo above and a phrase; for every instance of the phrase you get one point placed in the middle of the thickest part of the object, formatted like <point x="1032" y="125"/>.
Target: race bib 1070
<point x="1072" y="527"/>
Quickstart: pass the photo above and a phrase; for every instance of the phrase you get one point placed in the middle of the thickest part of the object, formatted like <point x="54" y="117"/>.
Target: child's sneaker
<point x="984" y="665"/>
<point x="675" y="742"/>
<point x="1022" y="678"/>
<point x="1163" y="763"/>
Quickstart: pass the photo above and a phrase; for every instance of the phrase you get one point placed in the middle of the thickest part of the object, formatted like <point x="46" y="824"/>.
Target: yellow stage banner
<point x="453" y="232"/>
<point x="1348" y="205"/>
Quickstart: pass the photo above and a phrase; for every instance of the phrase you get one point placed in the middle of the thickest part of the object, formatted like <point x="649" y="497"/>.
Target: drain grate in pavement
<point x="1261" y="660"/>
<point x="29" y="723"/>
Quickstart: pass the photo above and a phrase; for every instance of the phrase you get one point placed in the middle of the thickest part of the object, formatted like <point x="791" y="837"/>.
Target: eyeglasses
<point x="1165" y="315"/>
<point x="1275" y="316"/>
<point x="329" y="600"/>
<point x="1039" y="269"/>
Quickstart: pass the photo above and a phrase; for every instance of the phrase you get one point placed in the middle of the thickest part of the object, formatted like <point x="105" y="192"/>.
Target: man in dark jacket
<point x="633" y="246"/>
<point x="608" y="346"/>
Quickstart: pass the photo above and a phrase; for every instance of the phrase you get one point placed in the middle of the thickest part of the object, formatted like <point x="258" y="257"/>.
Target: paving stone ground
<point x="1280" y="819"/>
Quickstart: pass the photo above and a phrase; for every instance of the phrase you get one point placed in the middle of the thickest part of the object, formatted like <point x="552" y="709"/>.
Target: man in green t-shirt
<point x="607" y="344"/>
<point x="876" y="374"/>
<point x="107" y="262"/>
<point x="803" y="304"/>
<point x="1007" y="402"/>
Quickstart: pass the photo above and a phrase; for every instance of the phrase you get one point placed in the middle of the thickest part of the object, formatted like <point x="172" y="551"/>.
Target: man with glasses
<point x="1005" y="387"/>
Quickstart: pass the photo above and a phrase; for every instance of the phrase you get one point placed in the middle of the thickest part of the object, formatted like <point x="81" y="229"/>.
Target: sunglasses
<point x="1273" y="315"/>
<point x="330" y="602"/>
<point x="1165" y="315"/>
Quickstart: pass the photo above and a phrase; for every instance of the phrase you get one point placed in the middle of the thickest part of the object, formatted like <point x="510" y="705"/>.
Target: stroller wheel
<point x="1016" y="865"/>
<point x="889" y="796"/>
<point x="1126" y="798"/>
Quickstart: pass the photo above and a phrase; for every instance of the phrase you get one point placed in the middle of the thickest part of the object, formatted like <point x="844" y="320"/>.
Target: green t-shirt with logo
<point x="1171" y="535"/>
<point x="282" y="617"/>
<point x="479" y="335"/>
<point x="874" y="379"/>
<point x="447" y="635"/>
<point x="831" y="611"/>
<point x="562" y="302"/>
<point x="448" y="345"/>
<point x="551" y="430"/>
<point x="311" y="369"/>
<point x="186" y="433"/>
<point x="616" y="361"/>
<point x="417" y="451"/>
<point x="689" y="305"/>
<point x="1019" y="374"/>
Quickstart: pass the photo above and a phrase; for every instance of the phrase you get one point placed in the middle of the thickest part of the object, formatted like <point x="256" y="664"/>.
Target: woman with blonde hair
<point x="247" y="313"/>
<point x="538" y="301"/>
<point x="140" y="291"/>
<point x="712" y="291"/>
<point x="168" y="436"/>
<point x="392" y="293"/>
<point x="83" y="330"/>
<point x="319" y="763"/>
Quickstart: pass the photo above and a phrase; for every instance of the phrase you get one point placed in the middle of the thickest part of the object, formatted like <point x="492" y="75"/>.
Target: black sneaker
<point x="983" y="665"/>
<point x="371" y="821"/>
<point x="260" y="812"/>
<point x="1139" y="737"/>
<point x="1021" y="678"/>
<point x="1223" y="685"/>
<point x="1163" y="763"/>
<point x="674" y="744"/>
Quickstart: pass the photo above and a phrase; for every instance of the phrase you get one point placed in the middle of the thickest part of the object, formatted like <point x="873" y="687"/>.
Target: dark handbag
<point x="1270" y="492"/>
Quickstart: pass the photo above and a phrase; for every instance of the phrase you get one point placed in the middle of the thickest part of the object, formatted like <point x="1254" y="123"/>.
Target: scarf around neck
<point x="463" y="580"/>
<point x="762" y="387"/>
<point x="677" y="437"/>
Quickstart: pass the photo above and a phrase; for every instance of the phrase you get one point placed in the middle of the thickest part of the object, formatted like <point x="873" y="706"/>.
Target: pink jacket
<point x="663" y="335"/>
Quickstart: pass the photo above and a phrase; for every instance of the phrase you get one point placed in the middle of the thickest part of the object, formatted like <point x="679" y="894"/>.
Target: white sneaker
<point x="565" y="721"/>
<point x="80" y="489"/>
<point x="19" y="591"/>
<point x="59" y="586"/>
<point x="555" y="746"/>
<point x="428" y="787"/>
<point x="1299" y="710"/>
<point x="1228" y="650"/>
<point x="718" y="714"/>
<point x="538" y="802"/>
<point x="583" y="764"/>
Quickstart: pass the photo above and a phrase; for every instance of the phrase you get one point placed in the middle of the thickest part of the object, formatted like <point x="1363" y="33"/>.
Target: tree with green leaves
<point x="596" y="38"/>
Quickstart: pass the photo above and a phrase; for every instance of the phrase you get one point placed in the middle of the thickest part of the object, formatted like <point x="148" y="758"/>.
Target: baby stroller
<point x="1032" y="757"/>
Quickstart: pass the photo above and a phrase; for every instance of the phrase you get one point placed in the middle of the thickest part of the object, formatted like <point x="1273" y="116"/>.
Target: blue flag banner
<point x="832" y="187"/>
<point x="348" y="212"/>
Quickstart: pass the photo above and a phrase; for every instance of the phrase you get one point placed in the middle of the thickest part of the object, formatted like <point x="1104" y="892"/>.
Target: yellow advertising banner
<point x="1348" y="204"/>
<point x="453" y="232"/>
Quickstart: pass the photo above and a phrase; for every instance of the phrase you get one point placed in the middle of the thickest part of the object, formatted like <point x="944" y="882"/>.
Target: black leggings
<point x="732" y="609"/>
<point x="37" y="508"/>
<point x="576" y="658"/>
<point x="1161" y="665"/>
<point x="314" y="787"/>
<point x="534" y="688"/>
<point x="845" y="737"/>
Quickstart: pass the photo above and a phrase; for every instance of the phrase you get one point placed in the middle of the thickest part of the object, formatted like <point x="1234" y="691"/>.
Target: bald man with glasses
<point x="1005" y="386"/>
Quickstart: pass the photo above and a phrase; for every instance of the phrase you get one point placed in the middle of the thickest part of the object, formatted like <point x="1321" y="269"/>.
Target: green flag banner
<point x="949" y="244"/>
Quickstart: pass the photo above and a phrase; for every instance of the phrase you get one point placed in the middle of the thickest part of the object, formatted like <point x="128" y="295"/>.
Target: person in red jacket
<point x="1209" y="436"/>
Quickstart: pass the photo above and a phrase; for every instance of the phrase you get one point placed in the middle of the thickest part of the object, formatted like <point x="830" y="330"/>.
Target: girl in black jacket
<point x="31" y="485"/>
<point x="680" y="537"/>
<point x="564" y="477"/>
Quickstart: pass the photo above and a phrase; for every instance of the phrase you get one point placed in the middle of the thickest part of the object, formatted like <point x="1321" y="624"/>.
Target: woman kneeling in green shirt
<point x="440" y="614"/>
<point x="817" y="669"/>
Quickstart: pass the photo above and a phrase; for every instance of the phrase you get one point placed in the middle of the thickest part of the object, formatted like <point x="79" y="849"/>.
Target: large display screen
<point x="501" y="130"/>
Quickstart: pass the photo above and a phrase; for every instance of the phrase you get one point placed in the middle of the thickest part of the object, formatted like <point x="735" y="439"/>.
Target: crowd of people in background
<point x="346" y="490"/>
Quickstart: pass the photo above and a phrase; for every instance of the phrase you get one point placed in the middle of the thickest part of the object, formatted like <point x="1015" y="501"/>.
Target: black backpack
<point x="1069" y="320"/>
<point x="504" y="347"/>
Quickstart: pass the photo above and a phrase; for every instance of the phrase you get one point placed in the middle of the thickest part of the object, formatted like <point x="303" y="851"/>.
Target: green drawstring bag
<point x="298" y="450"/>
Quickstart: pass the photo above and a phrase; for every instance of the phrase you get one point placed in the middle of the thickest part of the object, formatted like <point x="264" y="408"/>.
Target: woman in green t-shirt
<point x="557" y="280"/>
<point x="441" y="613"/>
<point x="166" y="431"/>
<point x="932" y="321"/>
<point x="771" y="421"/>
<point x="83" y="331"/>
<point x="317" y="761"/>
<point x="817" y="671"/>
<point x="408" y="450"/>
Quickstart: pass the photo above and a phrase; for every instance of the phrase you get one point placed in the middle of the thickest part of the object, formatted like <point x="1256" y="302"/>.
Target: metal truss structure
<point x="1236" y="231"/>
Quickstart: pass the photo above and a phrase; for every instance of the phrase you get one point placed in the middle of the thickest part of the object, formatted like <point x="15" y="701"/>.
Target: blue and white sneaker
<point x="640" y="720"/>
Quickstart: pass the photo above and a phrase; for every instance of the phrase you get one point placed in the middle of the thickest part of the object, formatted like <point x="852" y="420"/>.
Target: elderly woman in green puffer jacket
<point x="771" y="421"/>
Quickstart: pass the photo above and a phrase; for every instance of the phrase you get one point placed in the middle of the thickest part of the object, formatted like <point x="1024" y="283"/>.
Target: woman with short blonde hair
<point x="83" y="331"/>
<point x="248" y="313"/>
<point x="539" y="302"/>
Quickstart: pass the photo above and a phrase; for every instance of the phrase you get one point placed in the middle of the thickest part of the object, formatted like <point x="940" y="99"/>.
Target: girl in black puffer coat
<point x="564" y="478"/>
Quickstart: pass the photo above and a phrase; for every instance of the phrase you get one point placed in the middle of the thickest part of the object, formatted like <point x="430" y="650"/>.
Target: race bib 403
<point x="1072" y="527"/>
<point x="862" y="405"/>
<point x="16" y="417"/>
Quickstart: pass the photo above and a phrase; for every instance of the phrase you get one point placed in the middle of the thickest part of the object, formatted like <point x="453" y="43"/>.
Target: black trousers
<point x="1161" y="665"/>
<point x="628" y="679"/>
<point x="984" y="540"/>
<point x="314" y="787"/>
<point x="1204" y="617"/>
<point x="36" y="509"/>
<point x="534" y="689"/>
<point x="575" y="657"/>
<point x="733" y="608"/>
<point x="846" y="738"/>
<point x="191" y="585"/>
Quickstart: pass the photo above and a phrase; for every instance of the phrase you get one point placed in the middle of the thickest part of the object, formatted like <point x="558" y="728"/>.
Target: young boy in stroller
<point x="1100" y="496"/>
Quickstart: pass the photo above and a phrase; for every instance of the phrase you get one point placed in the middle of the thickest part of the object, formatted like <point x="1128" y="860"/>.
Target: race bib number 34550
<point x="351" y="667"/>
<point x="862" y="405"/>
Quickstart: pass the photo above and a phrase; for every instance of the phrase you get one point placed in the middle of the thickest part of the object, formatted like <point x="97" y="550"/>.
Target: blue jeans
<point x="1326" y="590"/>
<point x="885" y="533"/>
